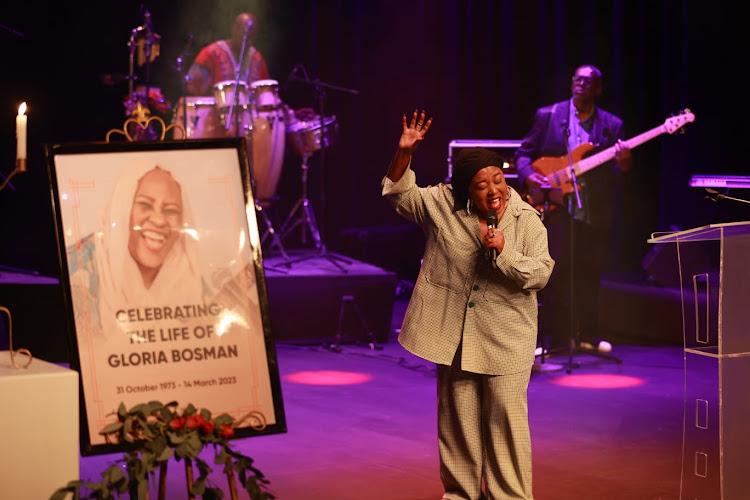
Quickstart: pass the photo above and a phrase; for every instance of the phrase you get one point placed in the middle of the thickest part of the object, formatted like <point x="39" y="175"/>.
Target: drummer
<point x="217" y="61"/>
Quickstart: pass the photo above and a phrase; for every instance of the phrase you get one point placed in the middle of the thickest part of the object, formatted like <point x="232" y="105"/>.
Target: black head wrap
<point x="466" y="164"/>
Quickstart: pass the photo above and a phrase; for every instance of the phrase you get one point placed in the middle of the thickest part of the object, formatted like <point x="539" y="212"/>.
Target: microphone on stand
<point x="185" y="53"/>
<point x="147" y="25"/>
<point x="250" y="29"/>
<point x="492" y="224"/>
<point x="573" y="176"/>
<point x="292" y="77"/>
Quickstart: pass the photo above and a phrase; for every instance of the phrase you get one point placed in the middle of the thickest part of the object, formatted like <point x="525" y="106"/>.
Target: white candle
<point x="21" y="132"/>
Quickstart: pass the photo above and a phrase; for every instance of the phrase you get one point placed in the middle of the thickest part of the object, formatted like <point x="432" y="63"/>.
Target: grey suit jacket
<point x="459" y="297"/>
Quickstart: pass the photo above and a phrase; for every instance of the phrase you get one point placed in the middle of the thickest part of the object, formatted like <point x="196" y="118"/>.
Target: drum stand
<point x="306" y="217"/>
<point x="270" y="231"/>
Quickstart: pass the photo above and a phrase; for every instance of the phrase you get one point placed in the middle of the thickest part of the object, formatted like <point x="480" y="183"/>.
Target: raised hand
<point x="413" y="133"/>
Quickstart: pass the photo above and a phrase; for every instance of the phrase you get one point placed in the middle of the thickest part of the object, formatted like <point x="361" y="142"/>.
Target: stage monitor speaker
<point x="505" y="148"/>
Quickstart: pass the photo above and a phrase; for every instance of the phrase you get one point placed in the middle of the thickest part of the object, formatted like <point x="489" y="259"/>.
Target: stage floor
<point x="377" y="439"/>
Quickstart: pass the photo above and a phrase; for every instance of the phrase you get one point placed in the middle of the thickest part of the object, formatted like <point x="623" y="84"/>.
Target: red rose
<point x="208" y="427"/>
<point x="226" y="431"/>
<point x="177" y="423"/>
<point x="194" y="421"/>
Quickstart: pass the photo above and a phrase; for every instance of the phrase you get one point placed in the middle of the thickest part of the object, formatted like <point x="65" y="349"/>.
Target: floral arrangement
<point x="154" y="433"/>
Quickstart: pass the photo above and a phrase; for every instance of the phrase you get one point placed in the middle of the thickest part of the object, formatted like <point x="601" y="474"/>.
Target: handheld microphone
<point x="492" y="224"/>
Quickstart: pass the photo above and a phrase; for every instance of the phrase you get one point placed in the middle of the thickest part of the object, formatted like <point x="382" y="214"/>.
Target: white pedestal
<point x="38" y="428"/>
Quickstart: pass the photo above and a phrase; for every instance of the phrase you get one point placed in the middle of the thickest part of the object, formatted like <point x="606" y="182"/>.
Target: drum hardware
<point x="198" y="116"/>
<point x="305" y="144"/>
<point x="307" y="216"/>
<point x="265" y="140"/>
<point x="314" y="138"/>
<point x="270" y="231"/>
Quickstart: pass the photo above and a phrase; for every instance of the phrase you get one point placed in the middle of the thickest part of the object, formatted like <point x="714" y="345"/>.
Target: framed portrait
<point x="162" y="275"/>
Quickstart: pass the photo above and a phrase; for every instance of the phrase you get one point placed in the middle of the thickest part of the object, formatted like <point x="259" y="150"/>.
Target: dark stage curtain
<point x="480" y="68"/>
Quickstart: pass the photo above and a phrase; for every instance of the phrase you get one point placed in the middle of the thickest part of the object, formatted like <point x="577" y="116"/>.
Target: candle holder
<point x="142" y="121"/>
<point x="20" y="167"/>
<point x="14" y="353"/>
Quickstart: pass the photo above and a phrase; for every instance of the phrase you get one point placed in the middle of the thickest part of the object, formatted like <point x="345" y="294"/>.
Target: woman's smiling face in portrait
<point x="155" y="221"/>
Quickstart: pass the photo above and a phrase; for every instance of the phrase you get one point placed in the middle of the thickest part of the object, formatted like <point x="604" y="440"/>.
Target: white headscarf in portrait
<point x="178" y="281"/>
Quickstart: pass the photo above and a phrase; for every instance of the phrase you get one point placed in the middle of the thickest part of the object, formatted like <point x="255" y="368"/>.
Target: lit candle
<point x="21" y="132"/>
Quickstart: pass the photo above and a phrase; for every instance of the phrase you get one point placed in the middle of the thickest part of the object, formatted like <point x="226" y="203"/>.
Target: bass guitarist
<point x="540" y="159"/>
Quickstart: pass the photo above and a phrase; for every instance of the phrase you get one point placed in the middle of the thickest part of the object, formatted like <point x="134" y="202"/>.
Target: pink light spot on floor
<point x="597" y="381"/>
<point x="328" y="377"/>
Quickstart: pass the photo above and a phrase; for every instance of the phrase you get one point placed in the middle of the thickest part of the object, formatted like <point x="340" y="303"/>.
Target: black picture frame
<point x="196" y="331"/>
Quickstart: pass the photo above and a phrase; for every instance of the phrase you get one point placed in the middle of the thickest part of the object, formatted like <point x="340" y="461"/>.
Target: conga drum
<point x="311" y="135"/>
<point x="233" y="105"/>
<point x="268" y="136"/>
<point x="202" y="118"/>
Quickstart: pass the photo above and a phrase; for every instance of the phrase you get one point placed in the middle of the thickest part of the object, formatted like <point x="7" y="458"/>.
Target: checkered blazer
<point x="459" y="296"/>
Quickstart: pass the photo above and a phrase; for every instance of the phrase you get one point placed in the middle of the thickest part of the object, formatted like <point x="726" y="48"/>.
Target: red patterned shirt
<point x="215" y="63"/>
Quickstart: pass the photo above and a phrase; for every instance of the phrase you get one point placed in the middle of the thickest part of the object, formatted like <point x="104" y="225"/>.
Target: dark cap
<point x="466" y="164"/>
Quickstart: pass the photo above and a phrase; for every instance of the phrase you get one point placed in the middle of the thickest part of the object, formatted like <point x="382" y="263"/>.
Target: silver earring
<point x="468" y="206"/>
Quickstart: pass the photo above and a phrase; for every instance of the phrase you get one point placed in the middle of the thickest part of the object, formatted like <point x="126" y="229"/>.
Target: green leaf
<point x="165" y="454"/>
<point x="139" y="409"/>
<point x="111" y="428"/>
<point x="222" y="457"/>
<point x="71" y="487"/>
<point x="176" y="437"/>
<point x="147" y="427"/>
<point x="127" y="431"/>
<point x="122" y="412"/>
<point x="154" y="407"/>
<point x="224" y="419"/>
<point x="166" y="413"/>
<point x="199" y="486"/>
<point x="151" y="430"/>
<point x="205" y="414"/>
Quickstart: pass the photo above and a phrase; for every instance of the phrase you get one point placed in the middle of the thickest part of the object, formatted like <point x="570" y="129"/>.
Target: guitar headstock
<point x="675" y="123"/>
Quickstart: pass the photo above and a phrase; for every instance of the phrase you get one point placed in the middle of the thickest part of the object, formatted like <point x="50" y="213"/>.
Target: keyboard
<point x="720" y="181"/>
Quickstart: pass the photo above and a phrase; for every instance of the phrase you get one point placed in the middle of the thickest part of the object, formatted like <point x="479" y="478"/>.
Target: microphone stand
<point x="248" y="133"/>
<point x="236" y="99"/>
<point x="235" y="103"/>
<point x="574" y="330"/>
<point x="183" y="82"/>
<point x="543" y="365"/>
<point x="715" y="196"/>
